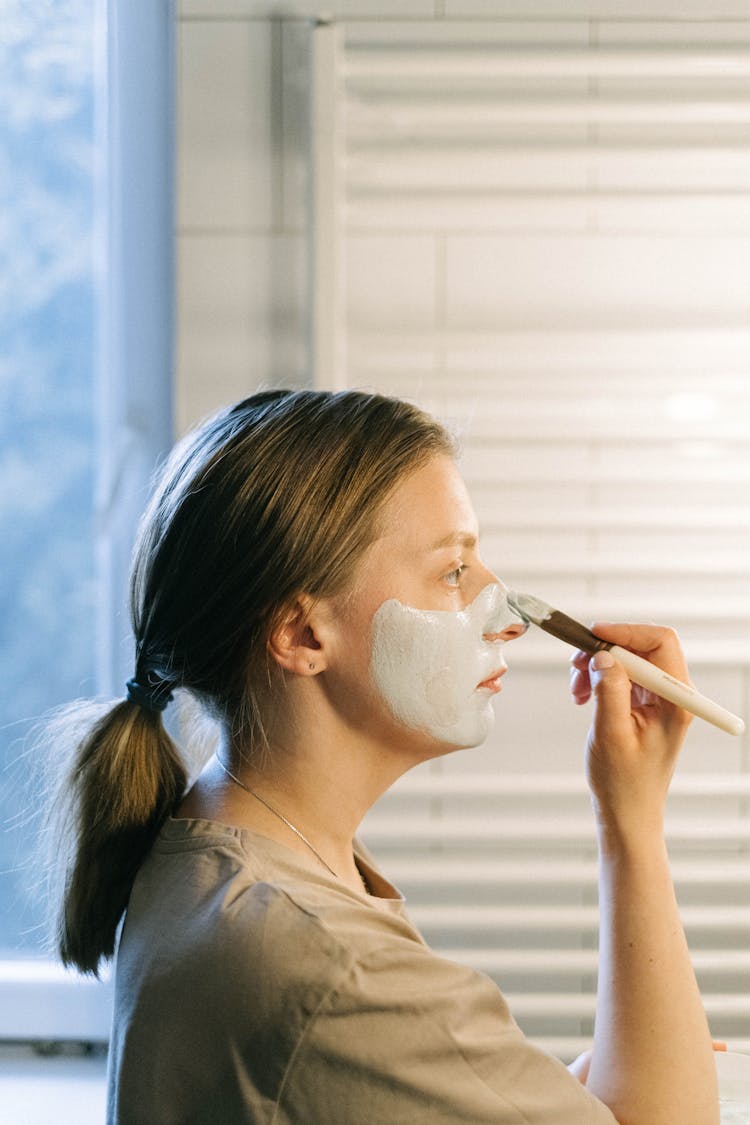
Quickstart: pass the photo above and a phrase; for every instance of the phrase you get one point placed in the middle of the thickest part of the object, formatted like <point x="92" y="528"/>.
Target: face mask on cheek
<point x="428" y="664"/>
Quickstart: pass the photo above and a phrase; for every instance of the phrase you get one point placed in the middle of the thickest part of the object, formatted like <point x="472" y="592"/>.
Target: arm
<point x="652" y="1060"/>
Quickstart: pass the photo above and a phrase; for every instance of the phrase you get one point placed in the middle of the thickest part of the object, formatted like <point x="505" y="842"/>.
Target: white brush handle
<point x="683" y="695"/>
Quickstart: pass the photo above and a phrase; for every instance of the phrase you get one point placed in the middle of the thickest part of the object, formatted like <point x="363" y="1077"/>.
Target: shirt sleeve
<point x="409" y="1037"/>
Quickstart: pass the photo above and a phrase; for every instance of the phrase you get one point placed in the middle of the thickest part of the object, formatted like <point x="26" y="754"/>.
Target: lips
<point x="492" y="683"/>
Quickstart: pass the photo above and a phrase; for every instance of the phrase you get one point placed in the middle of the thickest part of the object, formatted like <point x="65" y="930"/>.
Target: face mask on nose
<point x="429" y="665"/>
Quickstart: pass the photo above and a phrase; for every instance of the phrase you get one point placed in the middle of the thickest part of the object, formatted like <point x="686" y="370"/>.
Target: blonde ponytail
<point x="122" y="779"/>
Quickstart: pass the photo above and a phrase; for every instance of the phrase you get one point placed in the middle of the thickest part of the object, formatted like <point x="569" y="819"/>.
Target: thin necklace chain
<point x="281" y="816"/>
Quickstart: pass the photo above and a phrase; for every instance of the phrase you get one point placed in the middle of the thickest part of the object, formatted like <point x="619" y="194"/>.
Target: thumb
<point x="599" y="665"/>
<point x="611" y="687"/>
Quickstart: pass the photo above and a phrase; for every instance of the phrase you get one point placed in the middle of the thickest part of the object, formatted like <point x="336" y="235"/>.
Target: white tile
<point x="391" y="281"/>
<point x="241" y="318"/>
<point x="226" y="9"/>
<point x="595" y="282"/>
<point x="490" y="212"/>
<point x="662" y="168"/>
<point x="294" y="140"/>
<point x="527" y="495"/>
<point x="598" y="9"/>
<point x="520" y="462"/>
<point x="441" y="32"/>
<point x="672" y="214"/>
<point x="505" y="549"/>
<point x="668" y="589"/>
<point x="670" y="493"/>
<point x="671" y="462"/>
<point x="383" y="9"/>
<point x="512" y="170"/>
<point x="308" y="9"/>
<point x="703" y="33"/>
<point x="224" y="165"/>
<point x="510" y="9"/>
<point x="208" y="9"/>
<point x="729" y="543"/>
<point x="397" y="370"/>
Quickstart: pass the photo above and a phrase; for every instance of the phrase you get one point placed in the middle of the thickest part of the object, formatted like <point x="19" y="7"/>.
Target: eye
<point x="454" y="577"/>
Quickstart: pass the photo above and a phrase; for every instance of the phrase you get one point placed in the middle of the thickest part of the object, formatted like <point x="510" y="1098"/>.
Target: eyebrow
<point x="456" y="539"/>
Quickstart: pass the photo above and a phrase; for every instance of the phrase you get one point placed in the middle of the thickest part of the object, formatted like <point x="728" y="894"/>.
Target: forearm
<point x="653" y="1060"/>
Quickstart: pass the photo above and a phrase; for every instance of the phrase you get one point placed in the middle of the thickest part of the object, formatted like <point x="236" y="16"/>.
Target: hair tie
<point x="153" y="696"/>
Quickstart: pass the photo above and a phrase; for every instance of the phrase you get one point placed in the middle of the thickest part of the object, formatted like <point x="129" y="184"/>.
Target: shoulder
<point x="213" y="898"/>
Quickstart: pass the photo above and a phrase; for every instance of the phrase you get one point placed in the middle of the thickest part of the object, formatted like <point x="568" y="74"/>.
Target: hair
<point x="275" y="497"/>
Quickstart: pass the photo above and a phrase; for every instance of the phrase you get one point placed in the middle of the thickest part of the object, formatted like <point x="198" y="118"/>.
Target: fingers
<point x="656" y="643"/>
<point x="611" y="687"/>
<point x="580" y="683"/>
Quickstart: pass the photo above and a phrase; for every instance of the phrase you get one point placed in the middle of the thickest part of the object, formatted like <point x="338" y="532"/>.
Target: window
<point x="85" y="380"/>
<point x="47" y="334"/>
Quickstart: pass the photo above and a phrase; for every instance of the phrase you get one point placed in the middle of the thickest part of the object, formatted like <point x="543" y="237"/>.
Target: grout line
<point x="276" y="170"/>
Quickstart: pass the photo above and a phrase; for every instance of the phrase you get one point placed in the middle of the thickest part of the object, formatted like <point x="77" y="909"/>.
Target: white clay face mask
<point x="430" y="665"/>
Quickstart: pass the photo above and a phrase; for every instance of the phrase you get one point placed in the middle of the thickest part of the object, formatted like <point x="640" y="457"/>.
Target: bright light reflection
<point x="691" y="406"/>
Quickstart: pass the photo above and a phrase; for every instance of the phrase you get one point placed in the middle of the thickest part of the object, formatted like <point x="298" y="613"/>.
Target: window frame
<point x="134" y="278"/>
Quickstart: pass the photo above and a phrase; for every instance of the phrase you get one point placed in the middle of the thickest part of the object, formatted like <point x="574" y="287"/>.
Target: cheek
<point x="427" y="666"/>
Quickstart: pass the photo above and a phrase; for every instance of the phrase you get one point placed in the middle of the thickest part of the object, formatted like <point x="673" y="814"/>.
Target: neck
<point x="322" y="785"/>
<point x="275" y="812"/>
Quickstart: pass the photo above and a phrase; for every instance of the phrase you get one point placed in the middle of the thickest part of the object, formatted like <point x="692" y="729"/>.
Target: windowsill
<point x="41" y="1001"/>
<point x="67" y="1090"/>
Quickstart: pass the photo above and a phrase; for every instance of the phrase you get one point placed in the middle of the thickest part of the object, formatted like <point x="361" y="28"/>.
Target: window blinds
<point x="540" y="232"/>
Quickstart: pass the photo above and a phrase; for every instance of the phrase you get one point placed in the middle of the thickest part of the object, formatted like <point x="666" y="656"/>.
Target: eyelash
<point x="456" y="574"/>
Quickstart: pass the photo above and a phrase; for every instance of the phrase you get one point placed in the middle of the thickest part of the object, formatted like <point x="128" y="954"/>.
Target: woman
<point x="308" y="569"/>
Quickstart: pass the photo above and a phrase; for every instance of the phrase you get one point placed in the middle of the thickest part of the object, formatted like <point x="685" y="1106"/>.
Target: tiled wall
<point x="241" y="209"/>
<point x="241" y="246"/>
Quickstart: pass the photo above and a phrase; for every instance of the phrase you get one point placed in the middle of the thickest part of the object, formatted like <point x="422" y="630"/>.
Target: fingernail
<point x="602" y="660"/>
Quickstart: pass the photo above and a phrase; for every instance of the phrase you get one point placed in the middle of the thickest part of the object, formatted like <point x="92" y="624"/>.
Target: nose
<point x="501" y="623"/>
<point x="510" y="633"/>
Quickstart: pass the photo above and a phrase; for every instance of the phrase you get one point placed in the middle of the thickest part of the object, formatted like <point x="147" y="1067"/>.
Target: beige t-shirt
<point x="251" y="986"/>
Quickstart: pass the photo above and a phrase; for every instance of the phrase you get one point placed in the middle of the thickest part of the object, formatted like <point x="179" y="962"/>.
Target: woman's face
<point x="417" y="642"/>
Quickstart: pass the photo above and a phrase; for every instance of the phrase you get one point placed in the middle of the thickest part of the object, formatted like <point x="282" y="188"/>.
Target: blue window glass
<point x="47" y="331"/>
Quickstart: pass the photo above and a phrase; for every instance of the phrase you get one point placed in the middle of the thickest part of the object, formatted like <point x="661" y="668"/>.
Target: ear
<point x="292" y="641"/>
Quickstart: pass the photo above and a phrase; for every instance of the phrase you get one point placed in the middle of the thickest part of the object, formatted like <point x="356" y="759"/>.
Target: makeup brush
<point x="641" y="672"/>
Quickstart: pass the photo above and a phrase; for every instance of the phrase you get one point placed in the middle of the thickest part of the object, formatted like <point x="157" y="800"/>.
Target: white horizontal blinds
<point x="543" y="233"/>
<point x="500" y="873"/>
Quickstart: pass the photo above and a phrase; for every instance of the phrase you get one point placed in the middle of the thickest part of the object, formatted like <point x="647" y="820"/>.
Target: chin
<point x="467" y="730"/>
